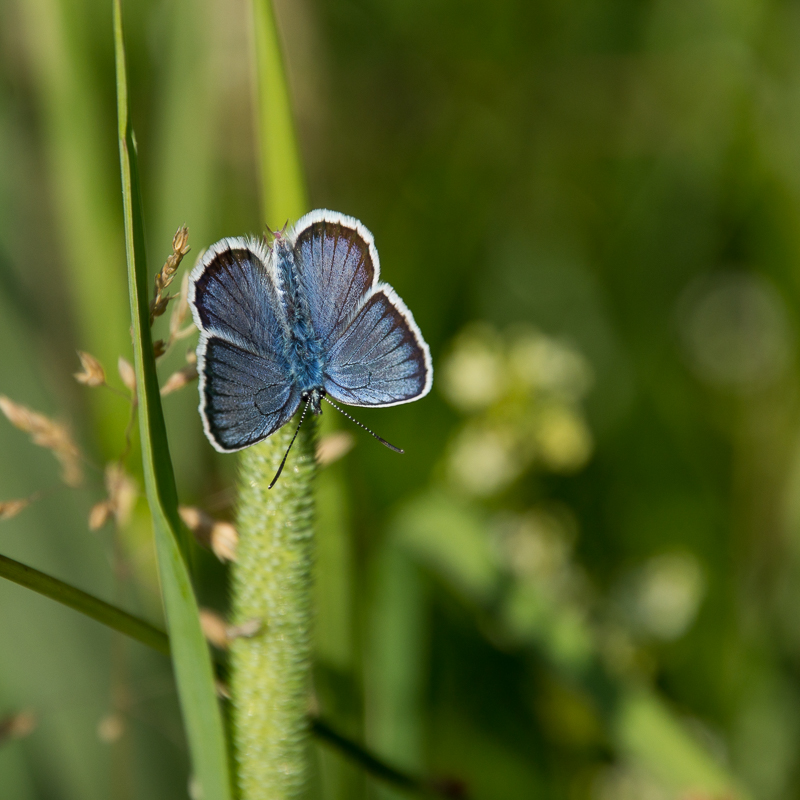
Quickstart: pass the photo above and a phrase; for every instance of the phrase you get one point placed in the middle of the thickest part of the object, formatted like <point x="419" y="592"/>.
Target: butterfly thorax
<point x="303" y="349"/>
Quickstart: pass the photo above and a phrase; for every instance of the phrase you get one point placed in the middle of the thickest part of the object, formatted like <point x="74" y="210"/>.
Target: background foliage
<point x="581" y="580"/>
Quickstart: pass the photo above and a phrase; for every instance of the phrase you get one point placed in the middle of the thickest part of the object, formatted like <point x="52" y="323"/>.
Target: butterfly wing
<point x="337" y="265"/>
<point x="379" y="357"/>
<point x="376" y="355"/>
<point x="246" y="393"/>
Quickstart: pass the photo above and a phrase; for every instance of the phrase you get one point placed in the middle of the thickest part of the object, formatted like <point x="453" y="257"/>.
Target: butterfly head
<point x="278" y="234"/>
<point x="314" y="398"/>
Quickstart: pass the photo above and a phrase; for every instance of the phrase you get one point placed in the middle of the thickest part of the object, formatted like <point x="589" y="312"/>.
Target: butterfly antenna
<point x="286" y="455"/>
<point x="361" y="425"/>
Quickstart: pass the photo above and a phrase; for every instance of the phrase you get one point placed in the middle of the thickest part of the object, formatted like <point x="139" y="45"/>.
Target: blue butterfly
<point x="297" y="322"/>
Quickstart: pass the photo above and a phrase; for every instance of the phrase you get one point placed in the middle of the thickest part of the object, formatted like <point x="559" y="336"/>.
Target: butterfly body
<point x="303" y="350"/>
<point x="293" y="323"/>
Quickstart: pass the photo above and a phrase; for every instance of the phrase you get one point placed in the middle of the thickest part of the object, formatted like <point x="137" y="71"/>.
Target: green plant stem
<point x="272" y="582"/>
<point x="85" y="603"/>
<point x="370" y="763"/>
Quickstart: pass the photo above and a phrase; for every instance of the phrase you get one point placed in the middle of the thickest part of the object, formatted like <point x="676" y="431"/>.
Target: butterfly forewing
<point x="244" y="391"/>
<point x="337" y="266"/>
<point x="379" y="358"/>
<point x="234" y="295"/>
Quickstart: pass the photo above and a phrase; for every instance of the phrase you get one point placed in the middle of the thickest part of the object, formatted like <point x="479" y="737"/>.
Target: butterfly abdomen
<point x="304" y="350"/>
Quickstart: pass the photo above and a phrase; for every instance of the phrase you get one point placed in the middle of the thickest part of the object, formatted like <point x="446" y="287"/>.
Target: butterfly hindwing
<point x="243" y="398"/>
<point x="245" y="391"/>
<point x="379" y="358"/>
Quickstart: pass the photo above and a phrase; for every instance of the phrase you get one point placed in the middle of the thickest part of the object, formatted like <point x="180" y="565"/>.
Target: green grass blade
<point x="191" y="658"/>
<point x="85" y="603"/>
<point x="61" y="39"/>
<point x="283" y="192"/>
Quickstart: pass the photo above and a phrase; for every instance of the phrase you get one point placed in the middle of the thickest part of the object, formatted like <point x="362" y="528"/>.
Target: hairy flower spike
<point x="93" y="373"/>
<point x="49" y="434"/>
<point x="270" y="673"/>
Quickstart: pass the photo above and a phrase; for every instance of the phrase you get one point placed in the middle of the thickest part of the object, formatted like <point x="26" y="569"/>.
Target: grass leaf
<point x="191" y="658"/>
<point x="283" y="192"/>
<point x="85" y="603"/>
<point x="61" y="40"/>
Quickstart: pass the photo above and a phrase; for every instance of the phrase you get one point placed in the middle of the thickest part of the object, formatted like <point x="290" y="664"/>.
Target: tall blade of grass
<point x="191" y="659"/>
<point x="61" y="42"/>
<point x="186" y="125"/>
<point x="181" y="185"/>
<point x="283" y="194"/>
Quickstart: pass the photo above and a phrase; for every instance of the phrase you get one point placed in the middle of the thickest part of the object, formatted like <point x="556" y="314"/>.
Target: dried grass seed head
<point x="127" y="374"/>
<point x="221" y="537"/>
<point x="10" y="508"/>
<point x="180" y="248"/>
<point x="224" y="541"/>
<point x="49" y="434"/>
<point x="179" y="379"/>
<point x="100" y="514"/>
<point x="215" y="629"/>
<point x="92" y="373"/>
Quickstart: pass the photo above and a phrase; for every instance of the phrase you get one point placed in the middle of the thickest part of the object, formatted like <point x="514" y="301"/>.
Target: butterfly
<point x="302" y="320"/>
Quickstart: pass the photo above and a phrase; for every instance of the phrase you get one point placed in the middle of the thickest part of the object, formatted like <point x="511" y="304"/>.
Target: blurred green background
<point x="583" y="578"/>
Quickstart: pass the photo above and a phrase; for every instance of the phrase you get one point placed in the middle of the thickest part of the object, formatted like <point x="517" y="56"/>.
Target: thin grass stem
<point x="85" y="603"/>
